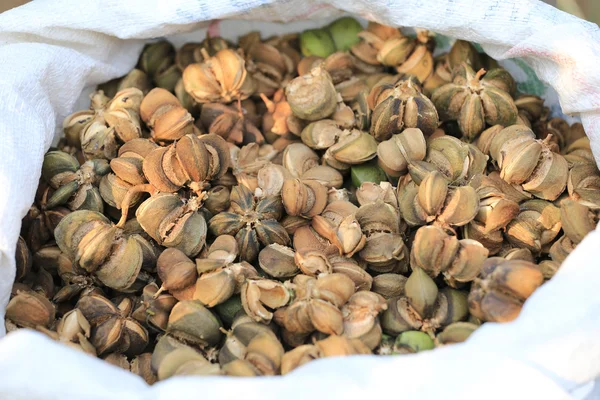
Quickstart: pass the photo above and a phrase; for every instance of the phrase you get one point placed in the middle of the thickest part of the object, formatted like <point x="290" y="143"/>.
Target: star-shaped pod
<point x="253" y="222"/>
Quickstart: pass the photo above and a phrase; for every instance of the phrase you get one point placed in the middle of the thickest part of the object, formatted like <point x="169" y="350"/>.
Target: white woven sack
<point x="51" y="50"/>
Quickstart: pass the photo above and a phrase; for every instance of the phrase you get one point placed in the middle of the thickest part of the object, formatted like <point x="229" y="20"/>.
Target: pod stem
<point x="145" y="187"/>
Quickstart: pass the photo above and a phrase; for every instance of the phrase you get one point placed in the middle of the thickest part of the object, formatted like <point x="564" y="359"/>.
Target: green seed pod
<point x="317" y="42"/>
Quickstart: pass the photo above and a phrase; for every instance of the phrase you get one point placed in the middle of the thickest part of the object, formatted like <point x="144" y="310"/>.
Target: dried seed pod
<point x="215" y="287"/>
<point x="118" y="360"/>
<point x="30" y="309"/>
<point x="38" y="225"/>
<point x="395" y="154"/>
<point x="173" y="223"/>
<point x="535" y="227"/>
<point x="325" y="175"/>
<point x="165" y="116"/>
<point x="496" y="209"/>
<point x="524" y="160"/>
<point x="463" y="51"/>
<point x="23" y="260"/>
<point x="451" y="158"/>
<point x="384" y="250"/>
<point x="549" y="268"/>
<point x="360" y="314"/>
<point x="405" y="107"/>
<point x="473" y="101"/>
<point x="264" y="352"/>
<point x="109" y="337"/>
<point x="220" y="78"/>
<point x="389" y="285"/>
<point x="252" y="222"/>
<point x="191" y="321"/>
<point x="278" y="261"/>
<point x="175" y="270"/>
<point x="530" y="107"/>
<point x="240" y="368"/>
<point x="158" y="61"/>
<point x="72" y="325"/>
<point x="583" y="183"/>
<point x="516" y="254"/>
<point x="577" y="220"/>
<point x="217" y="199"/>
<point x="249" y="161"/>
<point x="219" y="278"/>
<point x="312" y="96"/>
<point x="420" y="62"/>
<point x="75" y="186"/>
<point x="113" y="191"/>
<point x="434" y="251"/>
<point x="503" y="287"/>
<point x="141" y="366"/>
<point x="237" y="340"/>
<point x="97" y="246"/>
<point x="459" y="206"/>
<point x="230" y="123"/>
<point x="353" y="147"/>
<point x="176" y="359"/>
<point x="423" y="306"/>
<point x="279" y="121"/>
<point x="256" y="294"/>
<point x="321" y="134"/>
<point x="269" y="67"/>
<point x="338" y="224"/>
<point x="491" y="240"/>
<point x="297" y="357"/>
<point x="110" y="122"/>
<point x="396" y="50"/>
<point x="456" y="332"/>
<point x="335" y="346"/>
<point x="372" y="40"/>
<point x="303" y="198"/>
<point x="155" y="308"/>
<point x="370" y="193"/>
<point x="299" y="158"/>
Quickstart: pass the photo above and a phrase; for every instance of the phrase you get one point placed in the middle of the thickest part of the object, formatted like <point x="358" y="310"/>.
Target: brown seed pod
<point x="504" y="285"/>
<point x="278" y="261"/>
<point x="165" y="116"/>
<point x="175" y="270"/>
<point x="423" y="306"/>
<point x="75" y="186"/>
<point x="432" y="200"/>
<point x="110" y="122"/>
<point x="221" y="78"/>
<point x="312" y="96"/>
<point x="474" y="102"/>
<point x="192" y="322"/>
<point x="436" y="252"/>
<point x="30" y="309"/>
<point x="535" y="227"/>
<point x="395" y="154"/>
<point x="524" y="160"/>
<point x="405" y="107"/>
<point x="230" y="123"/>
<point x="360" y="316"/>
<point x="297" y="357"/>
<point x="252" y="222"/>
<point x="256" y="294"/>
<point x="303" y="198"/>
<point x="338" y="224"/>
